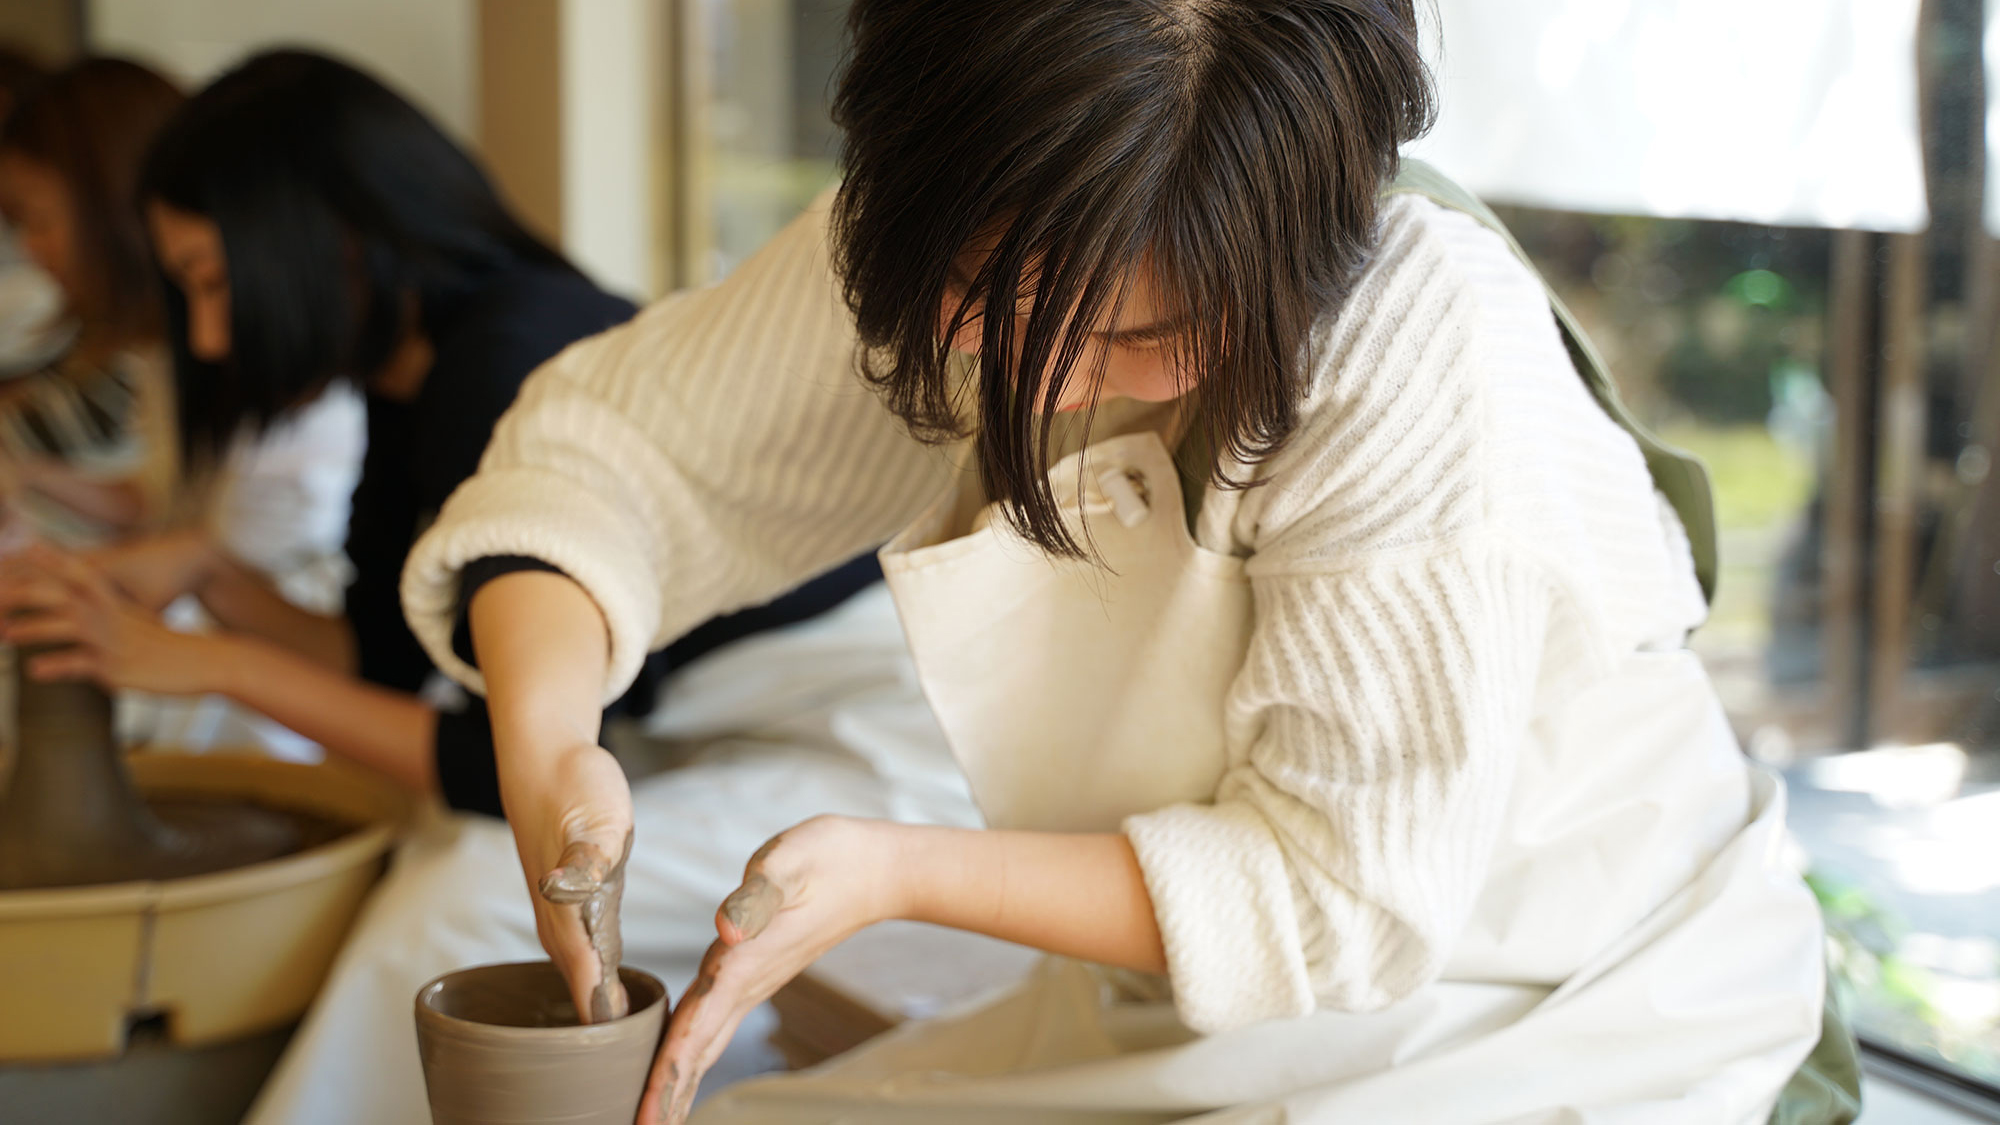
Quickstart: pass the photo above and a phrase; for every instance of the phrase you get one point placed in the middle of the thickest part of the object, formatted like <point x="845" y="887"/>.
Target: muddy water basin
<point x="205" y="958"/>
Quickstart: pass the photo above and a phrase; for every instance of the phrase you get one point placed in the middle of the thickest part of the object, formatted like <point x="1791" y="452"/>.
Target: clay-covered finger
<point x="658" y="1098"/>
<point x="600" y="924"/>
<point x="749" y="908"/>
<point x="707" y="1050"/>
<point x="561" y="931"/>
<point x="684" y="1052"/>
<point x="587" y="879"/>
<point x="578" y="874"/>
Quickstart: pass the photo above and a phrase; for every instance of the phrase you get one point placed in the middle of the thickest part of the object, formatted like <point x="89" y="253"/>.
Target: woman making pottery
<point x="1282" y="571"/>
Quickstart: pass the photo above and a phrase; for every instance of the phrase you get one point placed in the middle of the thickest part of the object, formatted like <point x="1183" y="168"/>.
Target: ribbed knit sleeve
<point x="715" y="451"/>
<point x="1454" y="535"/>
<point x="1380" y="711"/>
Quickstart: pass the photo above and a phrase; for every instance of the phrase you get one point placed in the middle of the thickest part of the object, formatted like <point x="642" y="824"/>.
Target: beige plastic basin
<point x="218" y="956"/>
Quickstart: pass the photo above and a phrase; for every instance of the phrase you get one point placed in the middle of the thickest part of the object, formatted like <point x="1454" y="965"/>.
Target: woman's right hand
<point x="542" y="645"/>
<point x="572" y="820"/>
<point x="155" y="570"/>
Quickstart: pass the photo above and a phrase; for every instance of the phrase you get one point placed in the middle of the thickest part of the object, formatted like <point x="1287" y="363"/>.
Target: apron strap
<point x="1678" y="475"/>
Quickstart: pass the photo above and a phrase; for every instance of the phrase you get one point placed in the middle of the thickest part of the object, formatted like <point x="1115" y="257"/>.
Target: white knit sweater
<point x="1455" y="541"/>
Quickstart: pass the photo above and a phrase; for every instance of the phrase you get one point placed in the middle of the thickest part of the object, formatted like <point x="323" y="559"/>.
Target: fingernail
<point x="666" y="1108"/>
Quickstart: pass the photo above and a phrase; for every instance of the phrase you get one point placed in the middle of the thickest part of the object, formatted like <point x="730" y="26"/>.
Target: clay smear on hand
<point x="588" y="879"/>
<point x="751" y="906"/>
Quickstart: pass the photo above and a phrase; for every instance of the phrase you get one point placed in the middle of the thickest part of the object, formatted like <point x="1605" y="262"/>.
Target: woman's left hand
<point x="55" y="599"/>
<point x="802" y="894"/>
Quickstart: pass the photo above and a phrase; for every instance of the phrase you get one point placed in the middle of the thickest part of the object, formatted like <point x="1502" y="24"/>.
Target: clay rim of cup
<point x="646" y="990"/>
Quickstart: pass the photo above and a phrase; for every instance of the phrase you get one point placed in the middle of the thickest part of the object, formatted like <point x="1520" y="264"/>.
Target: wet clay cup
<point x="501" y="1045"/>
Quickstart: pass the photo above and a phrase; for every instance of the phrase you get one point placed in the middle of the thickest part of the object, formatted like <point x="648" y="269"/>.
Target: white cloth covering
<point x="823" y="716"/>
<point x="281" y="506"/>
<point x="1992" y="56"/>
<point x="1769" y="111"/>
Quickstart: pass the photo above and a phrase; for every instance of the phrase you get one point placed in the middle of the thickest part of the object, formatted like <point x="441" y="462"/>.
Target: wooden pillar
<point x="1899" y="473"/>
<point x="683" y="246"/>
<point x="1844" y="560"/>
<point x="570" y="98"/>
<point x="1974" y="598"/>
<point x="520" y="107"/>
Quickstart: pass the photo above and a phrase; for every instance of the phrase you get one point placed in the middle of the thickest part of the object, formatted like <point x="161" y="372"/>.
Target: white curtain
<point x="1993" y="117"/>
<point x="1796" y="112"/>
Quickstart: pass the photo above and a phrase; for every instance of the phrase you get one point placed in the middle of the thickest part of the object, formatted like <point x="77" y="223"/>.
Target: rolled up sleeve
<point x="1374" y="732"/>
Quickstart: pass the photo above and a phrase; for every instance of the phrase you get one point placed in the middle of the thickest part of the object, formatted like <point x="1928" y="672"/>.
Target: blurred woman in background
<point x="319" y="232"/>
<point x="86" y="443"/>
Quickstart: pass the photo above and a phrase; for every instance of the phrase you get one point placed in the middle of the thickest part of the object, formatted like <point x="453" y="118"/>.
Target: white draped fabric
<point x="1993" y="117"/>
<point x="1798" y="112"/>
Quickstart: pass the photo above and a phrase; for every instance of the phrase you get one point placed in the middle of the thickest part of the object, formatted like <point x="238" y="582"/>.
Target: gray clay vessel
<point x="501" y="1045"/>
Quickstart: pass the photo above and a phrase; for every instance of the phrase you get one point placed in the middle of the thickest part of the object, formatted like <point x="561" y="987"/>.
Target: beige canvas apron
<point x="1640" y="953"/>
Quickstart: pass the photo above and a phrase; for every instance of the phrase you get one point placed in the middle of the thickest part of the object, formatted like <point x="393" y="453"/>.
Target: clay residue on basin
<point x="222" y="833"/>
<point x="70" y="816"/>
<point x="183" y="836"/>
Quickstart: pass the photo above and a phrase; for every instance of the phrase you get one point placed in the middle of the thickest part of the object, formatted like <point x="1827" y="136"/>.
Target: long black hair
<point x="338" y="203"/>
<point x="1233" y="149"/>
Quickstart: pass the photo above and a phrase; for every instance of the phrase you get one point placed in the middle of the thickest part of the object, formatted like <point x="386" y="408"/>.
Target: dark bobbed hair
<point x="91" y="123"/>
<point x="339" y="205"/>
<point x="1233" y="149"/>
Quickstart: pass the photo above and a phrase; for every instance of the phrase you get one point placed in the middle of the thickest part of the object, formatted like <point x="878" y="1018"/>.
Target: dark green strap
<point x="1678" y="475"/>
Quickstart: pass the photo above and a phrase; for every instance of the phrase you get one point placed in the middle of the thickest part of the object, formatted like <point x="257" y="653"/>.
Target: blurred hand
<point x="803" y="893"/>
<point x="16" y="533"/>
<point x="154" y="570"/>
<point x="51" y="598"/>
<point x="573" y="829"/>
